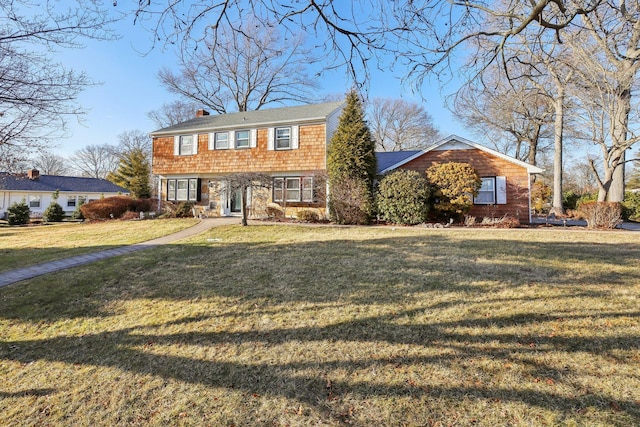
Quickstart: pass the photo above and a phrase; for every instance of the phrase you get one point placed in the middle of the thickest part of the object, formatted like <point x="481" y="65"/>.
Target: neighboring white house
<point x="38" y="191"/>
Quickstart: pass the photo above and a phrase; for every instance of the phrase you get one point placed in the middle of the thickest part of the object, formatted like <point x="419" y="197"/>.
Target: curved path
<point x="19" y="274"/>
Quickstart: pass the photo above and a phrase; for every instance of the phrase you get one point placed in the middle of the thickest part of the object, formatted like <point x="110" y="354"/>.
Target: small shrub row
<point x="307" y="215"/>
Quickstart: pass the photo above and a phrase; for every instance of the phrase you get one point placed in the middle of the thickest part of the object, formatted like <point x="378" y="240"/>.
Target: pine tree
<point x="351" y="166"/>
<point x="133" y="174"/>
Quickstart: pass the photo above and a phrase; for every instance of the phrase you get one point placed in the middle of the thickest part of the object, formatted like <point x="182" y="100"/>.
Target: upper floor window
<point x="220" y="141"/>
<point x="186" y="145"/>
<point x="242" y="139"/>
<point x="283" y="138"/>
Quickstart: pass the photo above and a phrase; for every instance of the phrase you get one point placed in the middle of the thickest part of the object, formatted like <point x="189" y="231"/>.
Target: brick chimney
<point x="33" y="174"/>
<point x="201" y="113"/>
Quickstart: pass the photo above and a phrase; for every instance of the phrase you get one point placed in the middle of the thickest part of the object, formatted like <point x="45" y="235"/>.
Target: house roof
<point x="456" y="142"/>
<point x="386" y="159"/>
<point x="51" y="183"/>
<point x="270" y="116"/>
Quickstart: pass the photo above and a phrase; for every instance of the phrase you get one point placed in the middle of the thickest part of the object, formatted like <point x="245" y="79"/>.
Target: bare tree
<point x="397" y="124"/>
<point x="242" y="182"/>
<point x="515" y="115"/>
<point x="422" y="36"/>
<point x="51" y="164"/>
<point x="95" y="161"/>
<point x="173" y="113"/>
<point x="244" y="70"/>
<point x="12" y="161"/>
<point x="132" y="140"/>
<point x="37" y="94"/>
<point x="608" y="54"/>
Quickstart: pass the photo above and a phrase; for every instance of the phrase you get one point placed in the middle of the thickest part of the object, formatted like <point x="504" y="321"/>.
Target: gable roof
<point x="456" y="142"/>
<point x="387" y="159"/>
<point x="271" y="116"/>
<point x="51" y="183"/>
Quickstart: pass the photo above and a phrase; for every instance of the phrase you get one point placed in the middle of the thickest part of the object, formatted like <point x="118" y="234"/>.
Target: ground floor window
<point x="293" y="189"/>
<point x="71" y="202"/>
<point x="183" y="190"/>
<point x="487" y="193"/>
<point x="34" y="201"/>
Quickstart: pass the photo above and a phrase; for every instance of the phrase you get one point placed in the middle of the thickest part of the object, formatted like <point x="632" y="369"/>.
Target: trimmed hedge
<point x="114" y="207"/>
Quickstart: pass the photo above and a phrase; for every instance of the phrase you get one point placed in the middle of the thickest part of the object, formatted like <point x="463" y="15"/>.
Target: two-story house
<point x="288" y="144"/>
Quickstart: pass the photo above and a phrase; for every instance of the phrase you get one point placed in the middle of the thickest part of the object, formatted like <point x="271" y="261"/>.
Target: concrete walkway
<point x="19" y="274"/>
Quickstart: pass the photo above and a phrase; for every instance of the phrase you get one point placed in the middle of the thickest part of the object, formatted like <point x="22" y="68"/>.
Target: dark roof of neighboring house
<point x="387" y="159"/>
<point x="51" y="183"/>
<point x="253" y="118"/>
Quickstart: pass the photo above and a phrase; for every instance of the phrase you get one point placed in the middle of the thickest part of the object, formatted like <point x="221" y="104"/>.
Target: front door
<point x="236" y="201"/>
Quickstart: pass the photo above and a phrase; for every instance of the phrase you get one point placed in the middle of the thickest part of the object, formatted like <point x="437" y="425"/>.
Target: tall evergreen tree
<point x="351" y="166"/>
<point x="133" y="173"/>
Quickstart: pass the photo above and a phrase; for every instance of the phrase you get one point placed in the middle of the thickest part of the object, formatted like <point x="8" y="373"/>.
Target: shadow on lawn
<point x="125" y="350"/>
<point x="265" y="277"/>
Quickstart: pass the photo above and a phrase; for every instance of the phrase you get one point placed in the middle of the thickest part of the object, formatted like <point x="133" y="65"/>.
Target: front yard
<point x="288" y="325"/>
<point x="24" y="246"/>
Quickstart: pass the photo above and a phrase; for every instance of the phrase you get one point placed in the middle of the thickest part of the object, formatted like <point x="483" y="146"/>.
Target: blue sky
<point x="129" y="89"/>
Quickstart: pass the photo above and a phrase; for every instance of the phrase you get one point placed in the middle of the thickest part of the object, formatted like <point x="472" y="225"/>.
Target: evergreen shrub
<point x="403" y="197"/>
<point x="19" y="213"/>
<point x="53" y="213"/>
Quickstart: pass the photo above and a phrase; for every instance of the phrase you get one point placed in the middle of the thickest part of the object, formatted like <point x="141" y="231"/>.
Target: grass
<point x="287" y="325"/>
<point x="24" y="246"/>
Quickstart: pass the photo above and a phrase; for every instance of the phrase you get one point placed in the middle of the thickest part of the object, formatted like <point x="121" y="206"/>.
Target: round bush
<point x="19" y="213"/>
<point x="53" y="213"/>
<point x="403" y="197"/>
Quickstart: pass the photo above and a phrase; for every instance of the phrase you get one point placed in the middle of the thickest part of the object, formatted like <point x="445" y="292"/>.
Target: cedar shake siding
<point x="487" y="165"/>
<point x="309" y="156"/>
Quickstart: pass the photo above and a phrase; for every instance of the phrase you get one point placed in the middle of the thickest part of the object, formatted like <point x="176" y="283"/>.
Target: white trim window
<point x="243" y="139"/>
<point x="185" y="145"/>
<point x="283" y="138"/>
<point x="295" y="189"/>
<point x="34" y="201"/>
<point x="487" y="192"/>
<point x="492" y="192"/>
<point x="221" y="140"/>
<point x="183" y="190"/>
<point x="71" y="202"/>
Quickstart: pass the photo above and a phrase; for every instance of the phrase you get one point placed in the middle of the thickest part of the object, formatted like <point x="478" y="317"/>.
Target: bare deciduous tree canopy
<point x="37" y="94"/>
<point x="172" y="113"/>
<point x="244" y="69"/>
<point x="397" y="124"/>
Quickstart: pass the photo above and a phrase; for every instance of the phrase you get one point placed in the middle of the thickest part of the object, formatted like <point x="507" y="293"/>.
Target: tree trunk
<point x="557" y="156"/>
<point x="243" y="206"/>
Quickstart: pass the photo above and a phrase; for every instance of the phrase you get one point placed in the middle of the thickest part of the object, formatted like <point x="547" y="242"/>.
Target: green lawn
<point x="24" y="246"/>
<point x="287" y="325"/>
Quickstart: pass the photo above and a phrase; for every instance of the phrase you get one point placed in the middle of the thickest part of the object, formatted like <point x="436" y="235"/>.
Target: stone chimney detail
<point x="201" y="113"/>
<point x="33" y="174"/>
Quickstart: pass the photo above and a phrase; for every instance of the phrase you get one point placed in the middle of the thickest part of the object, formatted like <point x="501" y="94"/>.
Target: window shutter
<point x="253" y="138"/>
<point x="294" y="137"/>
<point x="199" y="191"/>
<point x="232" y="139"/>
<point x="270" y="141"/>
<point x="501" y="190"/>
<point x="176" y="145"/>
<point x="212" y="138"/>
<point x="195" y="144"/>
